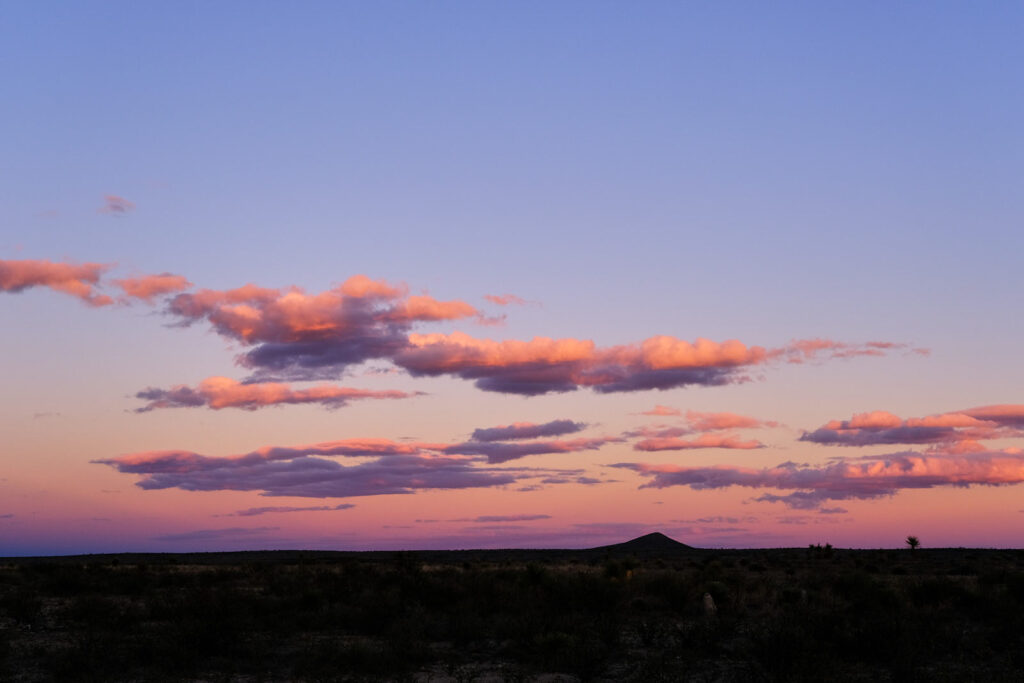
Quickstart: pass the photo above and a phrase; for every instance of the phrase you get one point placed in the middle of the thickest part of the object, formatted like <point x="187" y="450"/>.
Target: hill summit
<point x="654" y="542"/>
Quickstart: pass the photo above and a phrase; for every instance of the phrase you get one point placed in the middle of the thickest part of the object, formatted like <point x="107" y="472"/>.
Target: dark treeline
<point x="778" y="615"/>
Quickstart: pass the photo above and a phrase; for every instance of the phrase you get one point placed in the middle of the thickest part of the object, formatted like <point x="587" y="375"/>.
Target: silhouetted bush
<point x="797" y="615"/>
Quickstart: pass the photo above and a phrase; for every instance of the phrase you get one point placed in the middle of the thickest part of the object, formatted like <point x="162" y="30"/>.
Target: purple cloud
<point x="845" y="479"/>
<point x="397" y="468"/>
<point x="509" y="518"/>
<point x="252" y="512"/>
<point x="503" y="452"/>
<point x="527" y="430"/>
<point x="222" y="392"/>
<point x="115" y="206"/>
<point x="883" y="428"/>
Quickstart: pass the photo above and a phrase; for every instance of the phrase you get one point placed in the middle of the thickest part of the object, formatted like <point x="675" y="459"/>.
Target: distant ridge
<point x="654" y="542"/>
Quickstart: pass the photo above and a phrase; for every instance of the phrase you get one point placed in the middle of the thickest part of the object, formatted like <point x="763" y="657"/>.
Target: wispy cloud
<point x="718" y="519"/>
<point x="78" y="280"/>
<point x="509" y="518"/>
<point x="147" y="287"/>
<point x="505" y="299"/>
<point x="252" y="512"/>
<point x="664" y="438"/>
<point x="662" y="411"/>
<point x="484" y="519"/>
<point x="305" y="471"/>
<point x="882" y="428"/>
<point x="544" y="365"/>
<point x="216" y="534"/>
<point x="115" y="205"/>
<point x="804" y="350"/>
<point x="709" y="422"/>
<point x="496" y="452"/>
<point x="845" y="479"/>
<point x="223" y="392"/>
<point x="82" y="281"/>
<point x="527" y="430"/>
<point x="289" y="334"/>
<point x="703" y="441"/>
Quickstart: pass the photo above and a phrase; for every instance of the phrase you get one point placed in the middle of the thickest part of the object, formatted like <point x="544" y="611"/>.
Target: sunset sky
<point x="451" y="275"/>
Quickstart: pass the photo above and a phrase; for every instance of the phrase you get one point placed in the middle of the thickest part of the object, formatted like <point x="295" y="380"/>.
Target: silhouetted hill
<point x="651" y="543"/>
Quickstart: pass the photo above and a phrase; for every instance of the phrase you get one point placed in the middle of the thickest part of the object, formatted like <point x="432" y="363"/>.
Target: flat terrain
<point x="632" y="612"/>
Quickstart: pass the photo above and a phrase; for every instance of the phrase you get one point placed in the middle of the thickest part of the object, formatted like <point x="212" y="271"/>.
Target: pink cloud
<point x="663" y="411"/>
<point x="881" y="427"/>
<point x="294" y="335"/>
<point x="665" y="438"/>
<point x="507" y="518"/>
<point x="305" y="336"/>
<point x="114" y="205"/>
<point x="223" y="392"/>
<point x="78" y="280"/>
<point x="362" y="287"/>
<point x="305" y="471"/>
<point x="709" y="422"/>
<point x="806" y="350"/>
<point x="148" y="287"/>
<point x="496" y="452"/>
<point x="1008" y="415"/>
<point x="702" y="441"/>
<point x="843" y="479"/>
<point x="505" y="299"/>
<point x="527" y="430"/>
<point x="543" y="365"/>
<point x="252" y="512"/>
<point x="422" y="308"/>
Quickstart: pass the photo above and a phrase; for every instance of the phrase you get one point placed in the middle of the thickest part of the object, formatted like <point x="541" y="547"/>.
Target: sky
<point x="405" y="275"/>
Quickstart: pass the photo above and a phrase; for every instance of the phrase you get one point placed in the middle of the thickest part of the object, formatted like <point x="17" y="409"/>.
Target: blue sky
<point x="757" y="171"/>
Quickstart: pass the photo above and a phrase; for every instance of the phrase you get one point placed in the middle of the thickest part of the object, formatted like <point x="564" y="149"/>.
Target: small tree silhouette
<point x="913" y="542"/>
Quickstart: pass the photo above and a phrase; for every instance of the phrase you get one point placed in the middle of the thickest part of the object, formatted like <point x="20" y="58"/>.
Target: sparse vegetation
<point x="913" y="542"/>
<point x="780" y="615"/>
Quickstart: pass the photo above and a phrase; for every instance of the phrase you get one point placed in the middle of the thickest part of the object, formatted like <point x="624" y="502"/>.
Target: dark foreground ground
<point x="796" y="614"/>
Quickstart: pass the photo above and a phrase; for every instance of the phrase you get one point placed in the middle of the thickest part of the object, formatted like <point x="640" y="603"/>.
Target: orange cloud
<point x="223" y="392"/>
<point x="306" y="336"/>
<point x="663" y="411"/>
<point x="147" y="287"/>
<point x="505" y="299"/>
<point x="172" y="461"/>
<point x="78" y="280"/>
<point x="844" y="479"/>
<point x="299" y="336"/>
<point x="543" y="365"/>
<point x="806" y="350"/>
<point x="360" y="287"/>
<point x="387" y="468"/>
<point x="429" y="308"/>
<point x="709" y="422"/>
<point x="882" y="427"/>
<point x="503" y="452"/>
<point x="702" y="441"/>
<point x="1000" y="414"/>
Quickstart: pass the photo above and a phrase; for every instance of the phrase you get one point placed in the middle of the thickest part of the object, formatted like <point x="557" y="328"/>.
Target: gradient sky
<point x="446" y="275"/>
